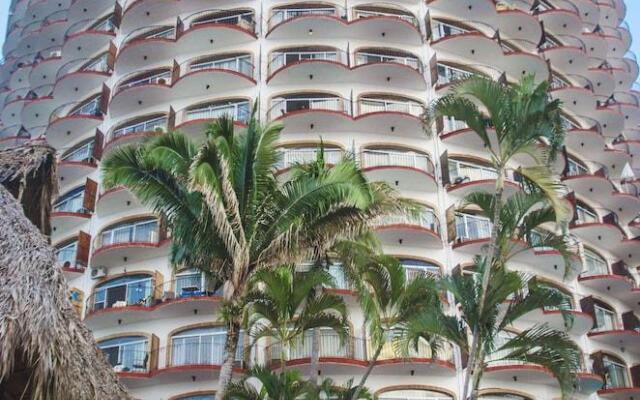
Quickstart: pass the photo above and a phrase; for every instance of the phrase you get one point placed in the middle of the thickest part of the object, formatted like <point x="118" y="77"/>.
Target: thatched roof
<point x="29" y="173"/>
<point x="45" y="350"/>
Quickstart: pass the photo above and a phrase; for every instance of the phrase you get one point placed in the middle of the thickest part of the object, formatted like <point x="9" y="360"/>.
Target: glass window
<point x="615" y="373"/>
<point x="127" y="353"/>
<point x="201" y="346"/>
<point x="124" y="291"/>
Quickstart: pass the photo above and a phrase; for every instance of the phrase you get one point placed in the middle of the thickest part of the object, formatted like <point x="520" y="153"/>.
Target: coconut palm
<point x="513" y="121"/>
<point x="509" y="296"/>
<point x="228" y="214"/>
<point x="282" y="305"/>
<point x="388" y="298"/>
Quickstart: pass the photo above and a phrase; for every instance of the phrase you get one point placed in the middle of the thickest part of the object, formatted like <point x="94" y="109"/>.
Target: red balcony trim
<point x="300" y="62"/>
<point x="417" y="360"/>
<point x="77" y="73"/>
<point x="205" y="120"/>
<point x="324" y="360"/>
<point x="453" y="187"/>
<point x="89" y="32"/>
<point x="519" y="367"/>
<point x="629" y="390"/>
<point x="338" y="19"/>
<point x="614" y="332"/>
<point x="607" y="276"/>
<point x="129" y="244"/>
<point x="60" y="214"/>
<point x="466" y="34"/>
<point x="112" y="142"/>
<point x="155" y="307"/>
<point x="88" y="164"/>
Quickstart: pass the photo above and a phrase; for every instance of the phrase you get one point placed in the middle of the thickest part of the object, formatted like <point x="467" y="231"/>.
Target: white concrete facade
<point x="355" y="74"/>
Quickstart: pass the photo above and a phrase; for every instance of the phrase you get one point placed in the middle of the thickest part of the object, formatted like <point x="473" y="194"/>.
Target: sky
<point x="633" y="18"/>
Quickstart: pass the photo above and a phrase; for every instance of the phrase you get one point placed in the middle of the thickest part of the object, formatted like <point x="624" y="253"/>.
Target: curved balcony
<point x="71" y="257"/>
<point x="20" y="77"/>
<point x="129" y="242"/>
<point x="599" y="276"/>
<point x="610" y="119"/>
<point x="462" y="42"/>
<point x="48" y="63"/>
<point x="620" y="393"/>
<point x="145" y="297"/>
<point x="517" y="64"/>
<point x="142" y="90"/>
<point x="13" y="141"/>
<point x="136" y="130"/>
<point x="390" y="68"/>
<point x="596" y="45"/>
<point x="70" y="212"/>
<point x="482" y="11"/>
<point x="77" y="163"/>
<point x="417" y="231"/>
<point x="626" y="335"/>
<point x="471" y="233"/>
<point x="78" y="78"/>
<point x="563" y="20"/>
<point x="195" y="34"/>
<point x="631" y="114"/>
<point x="463" y="177"/>
<point x="309" y="65"/>
<point x="567" y="54"/>
<point x="604" y="232"/>
<point x="625" y="201"/>
<point x="331" y="22"/>
<point x="194" y="119"/>
<point x="448" y="74"/>
<point x="580" y="322"/>
<point x="69" y="122"/>
<point x="614" y="160"/>
<point x="220" y="73"/>
<point x="115" y="200"/>
<point x="290" y="156"/>
<point x="400" y="168"/>
<point x="13" y="110"/>
<point x="601" y="80"/>
<point x="35" y="113"/>
<point x="589" y="12"/>
<point x="584" y="141"/>
<point x="51" y="11"/>
<point x="83" y="38"/>
<point x="585" y="183"/>
<point x="519" y="27"/>
<point x="311" y="112"/>
<point x="393" y="115"/>
<point x="578" y="100"/>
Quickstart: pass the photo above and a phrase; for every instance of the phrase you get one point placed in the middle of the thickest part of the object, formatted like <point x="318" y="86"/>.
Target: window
<point x="124" y="291"/>
<point x="145" y="231"/>
<point x="193" y="283"/>
<point x="615" y="373"/>
<point x="471" y="227"/>
<point x="127" y="353"/>
<point x="594" y="264"/>
<point x="414" y="268"/>
<point x="72" y="201"/>
<point x="462" y="171"/>
<point x="201" y="346"/>
<point x="67" y="253"/>
<point x="414" y="394"/>
<point x="605" y="318"/>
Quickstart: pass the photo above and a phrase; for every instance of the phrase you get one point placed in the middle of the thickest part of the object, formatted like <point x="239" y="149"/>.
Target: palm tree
<point x="283" y="306"/>
<point x="388" y="298"/>
<point x="228" y="214"/>
<point x="512" y="121"/>
<point x="509" y="296"/>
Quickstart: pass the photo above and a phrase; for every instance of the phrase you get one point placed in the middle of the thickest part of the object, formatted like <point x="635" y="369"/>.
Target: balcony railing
<point x="605" y="320"/>
<point x="616" y="376"/>
<point x="138" y="292"/>
<point x="161" y="78"/>
<point x="330" y="345"/>
<point x="128" y="357"/>
<point x="291" y="157"/>
<point x="281" y="59"/>
<point x="594" y="266"/>
<point x="371" y="105"/>
<point x="362" y="58"/>
<point x="584" y="216"/>
<point x="138" y="232"/>
<point x="461" y="171"/>
<point x="282" y="106"/>
<point x="239" y="111"/>
<point x="380" y="158"/>
<point x="92" y="108"/>
<point x="67" y="254"/>
<point x="83" y="153"/>
<point x="241" y="64"/>
<point x="425" y="219"/>
<point x="155" y="124"/>
<point x="73" y="204"/>
<point x="285" y="14"/>
<point x="471" y="227"/>
<point x="202" y="349"/>
<point x="372" y="14"/>
<point x="441" y="30"/>
<point x="447" y="74"/>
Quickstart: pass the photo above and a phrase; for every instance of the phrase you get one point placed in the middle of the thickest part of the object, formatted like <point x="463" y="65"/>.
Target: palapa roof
<point x="45" y="350"/>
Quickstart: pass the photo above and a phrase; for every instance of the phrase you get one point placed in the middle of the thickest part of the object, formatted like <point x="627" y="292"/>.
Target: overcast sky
<point x="633" y="18"/>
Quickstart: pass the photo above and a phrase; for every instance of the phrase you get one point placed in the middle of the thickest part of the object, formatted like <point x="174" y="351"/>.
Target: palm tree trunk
<point x="315" y="356"/>
<point x="363" y="380"/>
<point x="283" y="355"/>
<point x="472" y="370"/>
<point x="229" y="356"/>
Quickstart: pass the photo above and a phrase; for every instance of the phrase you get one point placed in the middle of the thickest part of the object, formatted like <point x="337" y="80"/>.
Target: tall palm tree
<point x="509" y="296"/>
<point x="229" y="215"/>
<point x="282" y="305"/>
<point x="512" y="121"/>
<point x="388" y="298"/>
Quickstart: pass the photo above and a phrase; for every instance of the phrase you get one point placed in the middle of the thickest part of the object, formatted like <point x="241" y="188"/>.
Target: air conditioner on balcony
<point x="98" y="272"/>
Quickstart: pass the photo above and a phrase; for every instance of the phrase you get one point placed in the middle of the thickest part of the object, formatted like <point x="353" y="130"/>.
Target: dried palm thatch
<point x="45" y="351"/>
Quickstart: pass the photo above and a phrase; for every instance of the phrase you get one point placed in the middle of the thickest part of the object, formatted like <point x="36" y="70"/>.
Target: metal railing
<point x="281" y="106"/>
<point x="154" y="124"/>
<point x="282" y="58"/>
<point x="139" y="292"/>
<point x="330" y="345"/>
<point x="239" y="111"/>
<point x="285" y="14"/>
<point x="605" y="320"/>
<point x="73" y="204"/>
<point x="83" y="153"/>
<point x="136" y="232"/>
<point x="440" y="30"/>
<point x="363" y="58"/>
<point x="377" y="158"/>
<point x="372" y="14"/>
<point x="241" y="64"/>
<point x="426" y="218"/>
<point x="202" y="349"/>
<point x="584" y="216"/>
<point x="461" y="171"/>
<point x="373" y="105"/>
<point x="471" y="227"/>
<point x="67" y="254"/>
<point x="161" y="78"/>
<point x="290" y="157"/>
<point x="594" y="265"/>
<point x="128" y="357"/>
<point x="447" y="74"/>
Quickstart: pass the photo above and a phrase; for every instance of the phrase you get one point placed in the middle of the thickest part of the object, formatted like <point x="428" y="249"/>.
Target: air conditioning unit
<point x="98" y="272"/>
